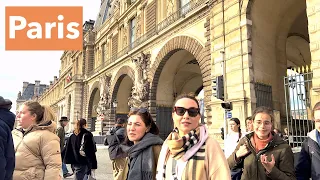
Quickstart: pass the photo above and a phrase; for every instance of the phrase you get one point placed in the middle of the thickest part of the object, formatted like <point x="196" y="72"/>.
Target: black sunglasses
<point x="139" y="110"/>
<point x="193" y="112"/>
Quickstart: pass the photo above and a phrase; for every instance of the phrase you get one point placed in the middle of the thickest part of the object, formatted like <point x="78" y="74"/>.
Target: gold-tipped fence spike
<point x="295" y="69"/>
<point x="302" y="69"/>
<point x="299" y="69"/>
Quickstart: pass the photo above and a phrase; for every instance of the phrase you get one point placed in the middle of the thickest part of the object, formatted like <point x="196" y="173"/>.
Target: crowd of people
<point x="37" y="149"/>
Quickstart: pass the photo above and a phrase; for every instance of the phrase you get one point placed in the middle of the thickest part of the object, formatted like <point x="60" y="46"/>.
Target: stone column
<point x="230" y="41"/>
<point x="313" y="13"/>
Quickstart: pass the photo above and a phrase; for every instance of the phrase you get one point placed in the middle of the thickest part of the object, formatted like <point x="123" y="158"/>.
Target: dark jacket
<point x="72" y="155"/>
<point x="308" y="165"/>
<point x="252" y="167"/>
<point x="61" y="135"/>
<point x="7" y="153"/>
<point x="115" y="138"/>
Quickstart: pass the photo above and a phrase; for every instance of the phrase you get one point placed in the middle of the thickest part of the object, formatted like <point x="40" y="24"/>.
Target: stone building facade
<point x="149" y="51"/>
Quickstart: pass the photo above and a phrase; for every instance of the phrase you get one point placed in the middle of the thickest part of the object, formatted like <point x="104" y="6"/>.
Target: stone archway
<point x="94" y="97"/>
<point x="276" y="36"/>
<point x="172" y="46"/>
<point x="124" y="74"/>
<point x="173" y="61"/>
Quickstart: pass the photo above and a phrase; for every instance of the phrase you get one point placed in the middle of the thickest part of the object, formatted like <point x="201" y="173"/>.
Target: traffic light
<point x="217" y="87"/>
<point x="222" y="133"/>
<point x="227" y="106"/>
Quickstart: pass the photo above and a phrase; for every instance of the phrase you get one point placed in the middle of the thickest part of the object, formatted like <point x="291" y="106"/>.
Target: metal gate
<point x="164" y="121"/>
<point x="297" y="86"/>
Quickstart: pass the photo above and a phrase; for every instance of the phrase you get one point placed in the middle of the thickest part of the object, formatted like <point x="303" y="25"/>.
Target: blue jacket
<point x="309" y="159"/>
<point x="7" y="154"/>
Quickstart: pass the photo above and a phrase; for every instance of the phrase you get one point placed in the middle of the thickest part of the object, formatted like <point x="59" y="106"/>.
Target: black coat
<point x="72" y="155"/>
<point x="115" y="138"/>
<point x="7" y="154"/>
<point x="308" y="165"/>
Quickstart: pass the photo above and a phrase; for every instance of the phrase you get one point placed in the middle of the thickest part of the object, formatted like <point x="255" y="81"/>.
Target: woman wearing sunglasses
<point x="142" y="159"/>
<point x="189" y="152"/>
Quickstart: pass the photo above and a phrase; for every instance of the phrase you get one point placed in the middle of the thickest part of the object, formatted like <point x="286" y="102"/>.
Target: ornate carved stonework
<point x="140" y="90"/>
<point x="170" y="7"/>
<point x="125" y="34"/>
<point x="138" y="33"/>
<point x="105" y="101"/>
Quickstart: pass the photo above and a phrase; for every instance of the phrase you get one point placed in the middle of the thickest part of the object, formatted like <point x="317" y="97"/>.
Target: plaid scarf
<point x="178" y="146"/>
<point x="187" y="155"/>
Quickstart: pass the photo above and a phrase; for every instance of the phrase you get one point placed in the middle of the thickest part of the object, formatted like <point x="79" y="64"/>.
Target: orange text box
<point x="44" y="27"/>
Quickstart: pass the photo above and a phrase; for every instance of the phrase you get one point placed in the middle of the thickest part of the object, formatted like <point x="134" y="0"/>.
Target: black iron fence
<point x="297" y="87"/>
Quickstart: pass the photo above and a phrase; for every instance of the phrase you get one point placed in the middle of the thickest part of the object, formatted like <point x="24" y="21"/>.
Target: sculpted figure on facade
<point x="125" y="34"/>
<point x="138" y="31"/>
<point x="19" y="95"/>
<point x="140" y="90"/>
<point x="170" y="7"/>
<point x="104" y="102"/>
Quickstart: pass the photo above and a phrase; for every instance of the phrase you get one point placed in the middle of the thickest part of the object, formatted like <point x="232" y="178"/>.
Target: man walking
<point x="7" y="154"/>
<point x="114" y="139"/>
<point x="61" y="134"/>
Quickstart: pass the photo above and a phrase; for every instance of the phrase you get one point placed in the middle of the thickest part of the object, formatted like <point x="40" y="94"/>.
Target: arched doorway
<point x="92" y="113"/>
<point x="280" y="43"/>
<point x="177" y="70"/>
<point x="180" y="74"/>
<point x="121" y="91"/>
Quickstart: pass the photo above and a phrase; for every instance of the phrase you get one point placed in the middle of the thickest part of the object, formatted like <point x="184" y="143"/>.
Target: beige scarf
<point x="178" y="146"/>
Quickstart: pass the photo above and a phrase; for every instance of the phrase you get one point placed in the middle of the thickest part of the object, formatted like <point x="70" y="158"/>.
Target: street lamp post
<point x="115" y="104"/>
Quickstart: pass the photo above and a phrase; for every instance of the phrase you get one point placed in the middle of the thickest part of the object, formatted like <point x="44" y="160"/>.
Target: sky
<point x="19" y="66"/>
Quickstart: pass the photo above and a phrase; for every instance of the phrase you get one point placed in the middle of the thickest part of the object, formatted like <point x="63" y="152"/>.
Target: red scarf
<point x="261" y="143"/>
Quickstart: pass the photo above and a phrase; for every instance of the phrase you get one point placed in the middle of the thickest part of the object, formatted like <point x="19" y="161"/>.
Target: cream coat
<point x="38" y="155"/>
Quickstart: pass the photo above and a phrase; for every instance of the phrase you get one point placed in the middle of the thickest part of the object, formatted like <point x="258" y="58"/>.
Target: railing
<point x="181" y="13"/>
<point x="298" y="111"/>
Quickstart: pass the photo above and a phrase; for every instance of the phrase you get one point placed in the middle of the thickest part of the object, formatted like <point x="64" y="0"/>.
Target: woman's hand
<point x="242" y="151"/>
<point x="268" y="165"/>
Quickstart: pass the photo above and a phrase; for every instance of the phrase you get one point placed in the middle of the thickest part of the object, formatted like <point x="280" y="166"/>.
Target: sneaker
<point x="67" y="175"/>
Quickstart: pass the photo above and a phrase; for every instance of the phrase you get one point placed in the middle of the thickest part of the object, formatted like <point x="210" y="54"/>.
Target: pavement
<point x="104" y="171"/>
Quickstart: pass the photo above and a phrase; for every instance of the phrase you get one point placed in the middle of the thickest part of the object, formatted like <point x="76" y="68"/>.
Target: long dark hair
<point x="237" y="121"/>
<point x="80" y="124"/>
<point x="148" y="121"/>
<point x="146" y="118"/>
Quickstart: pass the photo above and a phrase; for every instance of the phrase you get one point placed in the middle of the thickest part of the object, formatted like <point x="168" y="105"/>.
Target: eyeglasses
<point x="139" y="110"/>
<point x="193" y="112"/>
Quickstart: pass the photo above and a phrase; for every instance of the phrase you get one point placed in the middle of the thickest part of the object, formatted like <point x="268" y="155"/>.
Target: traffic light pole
<point x="225" y="93"/>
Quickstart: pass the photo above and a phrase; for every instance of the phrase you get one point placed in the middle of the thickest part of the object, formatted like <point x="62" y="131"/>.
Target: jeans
<point x="80" y="170"/>
<point x="64" y="168"/>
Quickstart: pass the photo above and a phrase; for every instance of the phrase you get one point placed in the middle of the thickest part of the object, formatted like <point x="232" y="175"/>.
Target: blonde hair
<point x="43" y="113"/>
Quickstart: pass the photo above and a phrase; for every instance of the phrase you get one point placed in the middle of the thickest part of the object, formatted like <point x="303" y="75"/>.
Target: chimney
<point x="37" y="83"/>
<point x="55" y="79"/>
<point x="25" y="85"/>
